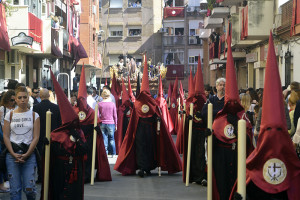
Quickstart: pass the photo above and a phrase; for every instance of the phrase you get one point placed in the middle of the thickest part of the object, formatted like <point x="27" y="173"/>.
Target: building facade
<point x="128" y="29"/>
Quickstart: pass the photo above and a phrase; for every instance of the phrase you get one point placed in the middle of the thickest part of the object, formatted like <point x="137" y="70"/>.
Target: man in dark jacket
<point x="41" y="109"/>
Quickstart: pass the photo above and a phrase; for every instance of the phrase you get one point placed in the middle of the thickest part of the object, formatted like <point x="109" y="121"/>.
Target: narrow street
<point x="166" y="187"/>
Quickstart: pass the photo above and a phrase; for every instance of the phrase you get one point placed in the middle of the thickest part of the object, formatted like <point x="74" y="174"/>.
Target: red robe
<point x="168" y="157"/>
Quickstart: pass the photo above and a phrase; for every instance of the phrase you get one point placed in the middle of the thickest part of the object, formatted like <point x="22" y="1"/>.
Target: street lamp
<point x="100" y="33"/>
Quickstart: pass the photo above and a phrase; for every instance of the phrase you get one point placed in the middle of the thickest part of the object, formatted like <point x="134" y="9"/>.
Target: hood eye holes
<point x="279" y="129"/>
<point x="269" y="128"/>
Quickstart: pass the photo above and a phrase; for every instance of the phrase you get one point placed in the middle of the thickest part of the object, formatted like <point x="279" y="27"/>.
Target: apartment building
<point x="251" y="22"/>
<point x="129" y="28"/>
<point x="42" y="35"/>
<point x="184" y="38"/>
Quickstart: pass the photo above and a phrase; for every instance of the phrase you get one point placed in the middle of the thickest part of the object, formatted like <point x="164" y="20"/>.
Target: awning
<point x="4" y="39"/>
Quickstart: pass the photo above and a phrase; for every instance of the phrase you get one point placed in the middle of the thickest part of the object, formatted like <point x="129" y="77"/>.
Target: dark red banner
<point x="35" y="26"/>
<point x="175" y="71"/>
<point x="244" y="31"/>
<point x="4" y="39"/>
<point x="173" y="12"/>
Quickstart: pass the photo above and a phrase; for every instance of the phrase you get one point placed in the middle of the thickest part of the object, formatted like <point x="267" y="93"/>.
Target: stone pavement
<point x="166" y="187"/>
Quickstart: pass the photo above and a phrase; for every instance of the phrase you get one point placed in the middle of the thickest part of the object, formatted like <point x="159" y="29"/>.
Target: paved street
<point x="133" y="187"/>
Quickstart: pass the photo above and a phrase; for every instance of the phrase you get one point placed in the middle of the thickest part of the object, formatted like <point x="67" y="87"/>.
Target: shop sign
<point x="22" y="38"/>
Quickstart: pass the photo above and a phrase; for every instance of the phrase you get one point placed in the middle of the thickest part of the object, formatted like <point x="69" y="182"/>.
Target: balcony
<point x="236" y="34"/>
<point x="25" y="22"/>
<point x="173" y="12"/>
<point x="210" y="23"/>
<point x="53" y="39"/>
<point x="229" y="2"/>
<point x="256" y="20"/>
<point x="214" y="54"/>
<point x="220" y="12"/>
<point x="196" y="11"/>
<point x="173" y="40"/>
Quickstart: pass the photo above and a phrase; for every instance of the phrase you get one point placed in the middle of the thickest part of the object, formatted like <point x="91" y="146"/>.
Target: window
<point x="133" y="32"/>
<point x="16" y="2"/>
<point x="176" y="58"/>
<point x="116" y="31"/>
<point x="193" y="59"/>
<point x="2" y="69"/>
<point x="116" y="3"/>
<point x="13" y="56"/>
<point x="134" y="3"/>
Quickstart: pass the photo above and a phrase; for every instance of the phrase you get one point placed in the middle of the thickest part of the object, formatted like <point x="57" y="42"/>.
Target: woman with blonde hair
<point x="108" y="116"/>
<point x="246" y="103"/>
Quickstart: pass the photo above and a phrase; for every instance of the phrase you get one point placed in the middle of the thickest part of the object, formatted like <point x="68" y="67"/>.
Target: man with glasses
<point x="36" y="96"/>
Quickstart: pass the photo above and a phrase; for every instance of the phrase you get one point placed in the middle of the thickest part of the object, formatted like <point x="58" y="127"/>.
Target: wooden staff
<point x="178" y="109"/>
<point x="184" y="115"/>
<point x="158" y="134"/>
<point x="188" y="163"/>
<point x="209" y="152"/>
<point x="47" y="155"/>
<point x="94" y="145"/>
<point x="241" y="180"/>
<point x="169" y="102"/>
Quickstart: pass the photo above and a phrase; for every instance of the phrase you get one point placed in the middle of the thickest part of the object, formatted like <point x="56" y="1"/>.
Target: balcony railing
<point x="195" y="40"/>
<point x="174" y="40"/>
<point x="196" y="11"/>
<point x="222" y="45"/>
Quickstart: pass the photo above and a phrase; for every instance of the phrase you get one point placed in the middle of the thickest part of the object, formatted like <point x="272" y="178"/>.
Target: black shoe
<point x="148" y="173"/>
<point x="204" y="182"/>
<point x="141" y="173"/>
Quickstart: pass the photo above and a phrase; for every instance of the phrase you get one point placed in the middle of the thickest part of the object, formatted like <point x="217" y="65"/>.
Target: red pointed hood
<point x="232" y="99"/>
<point x="68" y="115"/>
<point x="85" y="113"/>
<point x="170" y="90"/>
<point x="181" y="93"/>
<point x="132" y="97"/>
<point x="125" y="96"/>
<point x="160" y="88"/>
<point x="191" y="85"/>
<point x="105" y="81"/>
<point x="199" y="79"/>
<point x="82" y="84"/>
<point x="175" y="91"/>
<point x="145" y="80"/>
<point x="273" y="166"/>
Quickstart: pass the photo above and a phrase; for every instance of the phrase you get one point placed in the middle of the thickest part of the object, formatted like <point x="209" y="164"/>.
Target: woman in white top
<point x="21" y="134"/>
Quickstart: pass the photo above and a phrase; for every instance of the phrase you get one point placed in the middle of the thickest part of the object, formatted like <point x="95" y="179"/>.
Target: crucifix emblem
<point x="145" y="108"/>
<point x="229" y="131"/>
<point x="274" y="171"/>
<point x="81" y="115"/>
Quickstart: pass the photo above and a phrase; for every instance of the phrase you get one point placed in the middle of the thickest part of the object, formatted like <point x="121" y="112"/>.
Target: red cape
<point x="119" y="133"/>
<point x="169" y="158"/>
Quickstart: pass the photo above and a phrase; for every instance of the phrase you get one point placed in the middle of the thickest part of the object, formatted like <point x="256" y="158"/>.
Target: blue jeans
<point x="21" y="175"/>
<point x="108" y="131"/>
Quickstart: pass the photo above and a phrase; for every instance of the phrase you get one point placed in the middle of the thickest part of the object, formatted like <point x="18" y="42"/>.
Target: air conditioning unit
<point x="192" y="40"/>
<point x="190" y="9"/>
<point x="163" y="30"/>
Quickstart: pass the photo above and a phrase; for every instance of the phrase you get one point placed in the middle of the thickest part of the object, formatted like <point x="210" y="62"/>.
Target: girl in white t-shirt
<point x="21" y="134"/>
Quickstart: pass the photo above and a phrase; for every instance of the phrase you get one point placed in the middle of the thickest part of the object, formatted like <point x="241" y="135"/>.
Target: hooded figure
<point x="273" y="168"/>
<point x="68" y="152"/>
<point x="86" y="119"/>
<point x="225" y="134"/>
<point x="124" y="113"/>
<point x="198" y="162"/>
<point x="174" y="105"/>
<point x="143" y="147"/>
